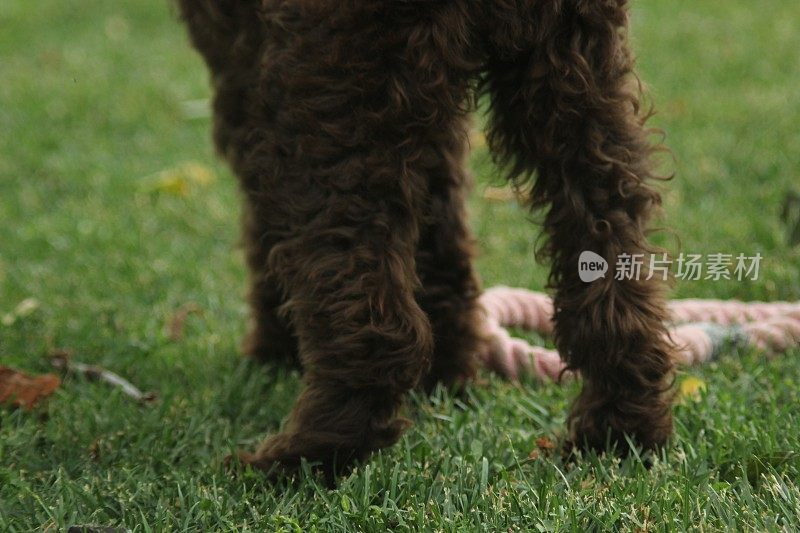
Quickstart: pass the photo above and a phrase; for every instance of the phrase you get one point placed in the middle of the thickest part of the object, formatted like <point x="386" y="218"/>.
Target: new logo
<point x="591" y="267"/>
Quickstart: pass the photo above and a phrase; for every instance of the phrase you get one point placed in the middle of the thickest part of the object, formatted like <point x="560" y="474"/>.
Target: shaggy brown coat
<point x="346" y="122"/>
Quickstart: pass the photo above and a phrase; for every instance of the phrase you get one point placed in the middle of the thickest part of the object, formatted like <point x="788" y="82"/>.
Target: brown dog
<point x="346" y="122"/>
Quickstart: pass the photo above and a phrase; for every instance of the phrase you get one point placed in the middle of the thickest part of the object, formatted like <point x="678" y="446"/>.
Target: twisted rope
<point x="699" y="329"/>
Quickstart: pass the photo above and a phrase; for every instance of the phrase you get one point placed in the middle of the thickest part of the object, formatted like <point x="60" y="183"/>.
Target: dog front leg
<point x="566" y="116"/>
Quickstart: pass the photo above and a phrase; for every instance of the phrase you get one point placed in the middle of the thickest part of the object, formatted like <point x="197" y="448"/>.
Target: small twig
<point x="93" y="372"/>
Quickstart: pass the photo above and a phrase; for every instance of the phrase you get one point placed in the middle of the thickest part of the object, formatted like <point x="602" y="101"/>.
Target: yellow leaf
<point x="200" y="174"/>
<point x="179" y="181"/>
<point x="26" y="307"/>
<point x="477" y="139"/>
<point x="499" y="194"/>
<point x="691" y="387"/>
<point x="172" y="183"/>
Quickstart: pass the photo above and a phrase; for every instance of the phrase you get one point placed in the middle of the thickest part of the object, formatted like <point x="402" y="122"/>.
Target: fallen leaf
<point x="178" y="320"/>
<point x="691" y="388"/>
<point x="26" y="307"/>
<point x="533" y="455"/>
<point x="23" y="390"/>
<point x="180" y="180"/>
<point x="499" y="194"/>
<point x="199" y="174"/>
<point x="172" y="183"/>
<point x="545" y="444"/>
<point x="94" y="449"/>
<point x="477" y="139"/>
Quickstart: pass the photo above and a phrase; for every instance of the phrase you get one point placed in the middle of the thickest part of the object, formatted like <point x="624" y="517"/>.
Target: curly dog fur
<point x="346" y="123"/>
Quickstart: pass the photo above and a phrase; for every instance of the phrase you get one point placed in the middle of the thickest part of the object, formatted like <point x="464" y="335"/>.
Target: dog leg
<point x="350" y="277"/>
<point x="566" y="109"/>
<point x="269" y="338"/>
<point x="450" y="284"/>
<point x="229" y="36"/>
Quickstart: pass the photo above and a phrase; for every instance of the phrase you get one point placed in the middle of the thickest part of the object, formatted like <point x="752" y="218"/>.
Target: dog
<point x="346" y="122"/>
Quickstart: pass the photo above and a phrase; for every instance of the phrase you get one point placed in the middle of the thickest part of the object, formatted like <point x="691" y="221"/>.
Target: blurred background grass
<point x="114" y="213"/>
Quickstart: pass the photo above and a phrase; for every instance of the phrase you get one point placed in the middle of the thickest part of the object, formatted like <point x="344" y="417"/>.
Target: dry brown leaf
<point x="178" y="320"/>
<point x="545" y="444"/>
<point x="477" y="139"/>
<point x="23" y="390"/>
<point x="499" y="194"/>
<point x="94" y="449"/>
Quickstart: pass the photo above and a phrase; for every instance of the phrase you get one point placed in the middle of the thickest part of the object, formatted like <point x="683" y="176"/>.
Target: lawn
<point x="115" y="215"/>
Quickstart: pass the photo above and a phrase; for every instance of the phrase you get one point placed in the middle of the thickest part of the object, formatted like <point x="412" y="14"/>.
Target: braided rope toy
<point x="699" y="328"/>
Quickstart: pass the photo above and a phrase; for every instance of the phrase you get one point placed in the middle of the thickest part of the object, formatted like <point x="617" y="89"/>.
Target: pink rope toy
<point x="699" y="328"/>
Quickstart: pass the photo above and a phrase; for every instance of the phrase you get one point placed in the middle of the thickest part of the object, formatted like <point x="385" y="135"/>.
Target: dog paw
<point x="273" y="468"/>
<point x="277" y="470"/>
<point x="281" y="463"/>
<point x="620" y="425"/>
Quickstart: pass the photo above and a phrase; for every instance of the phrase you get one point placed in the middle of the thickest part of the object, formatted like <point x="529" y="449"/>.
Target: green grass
<point x="91" y="109"/>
